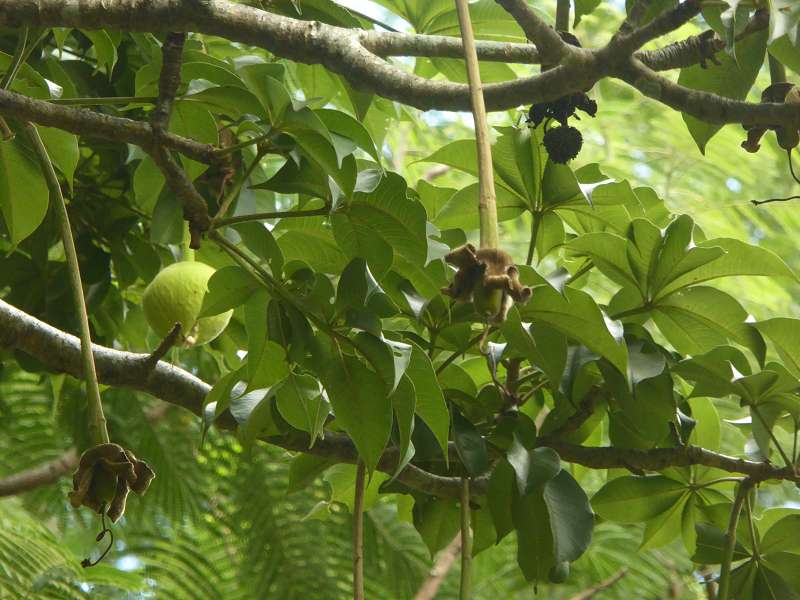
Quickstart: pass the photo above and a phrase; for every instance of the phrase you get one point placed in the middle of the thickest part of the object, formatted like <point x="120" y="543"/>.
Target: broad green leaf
<point x="431" y="406"/>
<point x="148" y="181"/>
<point x="195" y="122"/>
<point x="784" y="333"/>
<point x="542" y="346"/>
<point x="783" y="536"/>
<point x="571" y="517"/>
<point x="389" y="358"/>
<point x="62" y="147"/>
<point x="304" y="469"/>
<point x="360" y="405"/>
<point x="24" y="196"/>
<point x="471" y="446"/>
<point x="577" y="316"/>
<point x="697" y="319"/>
<point x="259" y="240"/>
<point x="499" y="497"/>
<point x="403" y="399"/>
<point x="228" y="288"/>
<point x="533" y="468"/>
<point x="342" y="479"/>
<point x="300" y="402"/>
<point x="268" y="368"/>
<point x="345" y="125"/>
<point x="631" y="499"/>
<point x="535" y="552"/>
<point x="104" y="48"/>
<point x="437" y="520"/>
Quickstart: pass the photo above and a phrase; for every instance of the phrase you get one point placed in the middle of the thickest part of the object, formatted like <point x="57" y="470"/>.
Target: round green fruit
<point x="488" y="303"/>
<point x="176" y="296"/>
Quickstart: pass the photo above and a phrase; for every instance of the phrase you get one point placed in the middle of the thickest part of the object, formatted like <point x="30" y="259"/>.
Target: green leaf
<point x="697" y="319"/>
<point x="193" y="121"/>
<point x="470" y="445"/>
<point x="437" y="521"/>
<point x="532" y="468"/>
<point x="148" y="181"/>
<point x="300" y="402"/>
<point x="228" y="288"/>
<point x="346" y="126"/>
<point x="571" y="517"/>
<point x="730" y="80"/>
<point x="431" y="406"/>
<point x="576" y="315"/>
<point x="584" y="7"/>
<point x="268" y="368"/>
<point x="535" y="552"/>
<point x="631" y="499"/>
<point x="24" y="196"/>
<point x="62" y="148"/>
<point x="784" y="333"/>
<point x="404" y="401"/>
<point x="260" y="242"/>
<point x="783" y="536"/>
<point x="104" y="49"/>
<point x="542" y="346"/>
<point x="499" y="496"/>
<point x="304" y="469"/>
<point x="389" y="358"/>
<point x="360" y="405"/>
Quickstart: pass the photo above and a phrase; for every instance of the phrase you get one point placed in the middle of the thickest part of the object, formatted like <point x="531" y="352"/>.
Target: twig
<point x="168" y="342"/>
<point x="602" y="586"/>
<point x="97" y="423"/>
<point x="730" y="539"/>
<point x="358" y="533"/>
<point x="273" y="215"/>
<point x="40" y="475"/>
<point x="778" y="447"/>
<point x="465" y="590"/>
<point x="448" y="361"/>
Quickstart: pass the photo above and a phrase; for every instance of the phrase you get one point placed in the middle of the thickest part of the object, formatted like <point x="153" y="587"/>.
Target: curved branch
<point x="86" y="122"/>
<point x="61" y="352"/>
<point x="551" y="47"/>
<point x="383" y="43"/>
<point x="40" y="475"/>
<point x="625" y="44"/>
<point x="703" y="105"/>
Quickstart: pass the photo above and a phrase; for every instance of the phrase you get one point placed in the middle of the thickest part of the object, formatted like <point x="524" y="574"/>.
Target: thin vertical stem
<point x="562" y="15"/>
<point x="487" y="202"/>
<point x="358" y="533"/>
<point x="777" y="72"/>
<point x="466" y="543"/>
<point x="97" y="420"/>
<point x="730" y="539"/>
<point x="536" y="221"/>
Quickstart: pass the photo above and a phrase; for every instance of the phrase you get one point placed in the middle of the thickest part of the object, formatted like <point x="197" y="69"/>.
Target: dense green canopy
<point x="628" y="432"/>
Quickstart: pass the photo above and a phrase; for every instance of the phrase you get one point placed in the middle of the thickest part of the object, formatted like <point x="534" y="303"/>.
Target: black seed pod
<point x="563" y="143"/>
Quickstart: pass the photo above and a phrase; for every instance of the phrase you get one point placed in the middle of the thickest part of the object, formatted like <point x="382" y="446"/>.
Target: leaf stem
<point x="273" y="215"/>
<point x="780" y="449"/>
<point x="487" y="202"/>
<point x="730" y="538"/>
<point x="225" y="150"/>
<point x="358" y="533"/>
<point x="562" y="15"/>
<point x="465" y="592"/>
<point x="536" y="221"/>
<point x="97" y="419"/>
<point x="237" y="188"/>
<point x="19" y="55"/>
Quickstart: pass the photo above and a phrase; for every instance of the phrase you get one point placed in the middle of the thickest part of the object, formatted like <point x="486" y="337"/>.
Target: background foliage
<point x="229" y="518"/>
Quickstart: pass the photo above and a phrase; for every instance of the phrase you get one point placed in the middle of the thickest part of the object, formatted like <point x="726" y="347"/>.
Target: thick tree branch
<point x="86" y="122"/>
<point x="40" y="475"/>
<point x="551" y="47"/>
<point x="60" y="351"/>
<point x="383" y="43"/>
<point x="705" y="106"/>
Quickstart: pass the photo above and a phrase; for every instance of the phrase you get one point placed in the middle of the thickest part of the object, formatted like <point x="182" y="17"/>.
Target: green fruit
<point x="176" y="296"/>
<point x="559" y="573"/>
<point x="487" y="303"/>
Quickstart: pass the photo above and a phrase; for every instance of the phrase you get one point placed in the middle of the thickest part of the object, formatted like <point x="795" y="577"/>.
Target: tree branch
<point x="552" y="48"/>
<point x="40" y="475"/>
<point x="705" y="106"/>
<point x="86" y="122"/>
<point x="60" y="351"/>
<point x="602" y="586"/>
<point x="438" y="573"/>
<point x="625" y="44"/>
<point x="384" y="44"/>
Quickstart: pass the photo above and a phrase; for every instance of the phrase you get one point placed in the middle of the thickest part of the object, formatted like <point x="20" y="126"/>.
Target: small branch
<point x="81" y="121"/>
<point x="40" y="475"/>
<point x="168" y="81"/>
<point x="602" y="586"/>
<point x="235" y="190"/>
<point x="552" y="49"/>
<point x="730" y="539"/>
<point x="167" y="343"/>
<point x="104" y="101"/>
<point x="97" y="423"/>
<point x="487" y="202"/>
<point x="626" y="44"/>
<point x="444" y="562"/>
<point x="226" y="150"/>
<point x="273" y="215"/>
<point x="685" y="53"/>
<point x="465" y="590"/>
<point x="358" y="533"/>
<point x="770" y="200"/>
